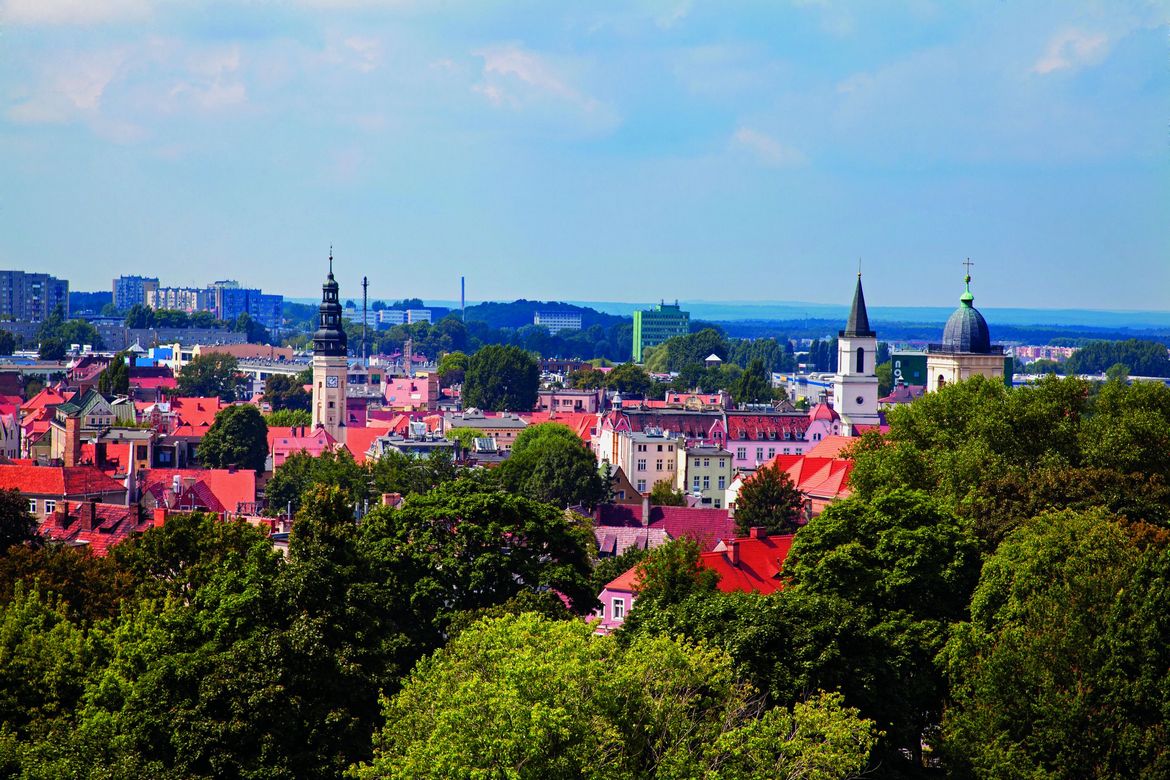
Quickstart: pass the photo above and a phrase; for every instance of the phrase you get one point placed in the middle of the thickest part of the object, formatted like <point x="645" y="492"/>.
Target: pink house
<point x="412" y="394"/>
<point x="284" y="441"/>
<point x="582" y="401"/>
<point x="754" y="438"/>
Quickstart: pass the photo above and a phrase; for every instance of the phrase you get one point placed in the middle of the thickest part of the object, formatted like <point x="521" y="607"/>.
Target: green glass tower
<point x="656" y="325"/>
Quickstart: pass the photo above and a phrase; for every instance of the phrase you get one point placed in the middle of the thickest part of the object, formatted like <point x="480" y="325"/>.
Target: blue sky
<point x="597" y="150"/>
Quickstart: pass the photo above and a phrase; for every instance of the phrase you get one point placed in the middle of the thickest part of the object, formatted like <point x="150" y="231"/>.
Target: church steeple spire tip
<point x="858" y="323"/>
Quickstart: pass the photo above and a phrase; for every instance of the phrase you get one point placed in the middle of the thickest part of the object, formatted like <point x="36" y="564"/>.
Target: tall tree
<point x="550" y="463"/>
<point x="768" y="500"/>
<point x="629" y="378"/>
<point x="286" y="392"/>
<point x="215" y="374"/>
<point x="237" y="437"/>
<point x="501" y="378"/>
<point x="754" y="386"/>
<point x="17" y="526"/>
<point x="115" y="379"/>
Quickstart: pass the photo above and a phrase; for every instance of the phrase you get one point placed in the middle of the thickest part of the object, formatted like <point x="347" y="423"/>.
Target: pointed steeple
<point x="858" y="324"/>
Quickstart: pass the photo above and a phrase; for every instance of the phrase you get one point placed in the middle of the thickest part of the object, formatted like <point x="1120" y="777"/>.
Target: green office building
<point x="654" y="326"/>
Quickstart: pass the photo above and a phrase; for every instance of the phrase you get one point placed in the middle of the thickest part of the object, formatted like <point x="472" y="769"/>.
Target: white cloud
<point x="211" y="81"/>
<point x="71" y="89"/>
<point x="1071" y="49"/>
<point x="766" y="148"/>
<point x="72" y="12"/>
<point x="510" y="73"/>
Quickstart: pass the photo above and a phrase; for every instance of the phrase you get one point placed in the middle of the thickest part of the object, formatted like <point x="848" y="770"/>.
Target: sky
<point x="631" y="151"/>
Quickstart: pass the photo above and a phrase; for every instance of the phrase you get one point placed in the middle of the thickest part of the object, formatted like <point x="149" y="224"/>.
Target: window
<point x="718" y="504"/>
<point x="32" y="505"/>
<point x="641" y="448"/>
<point x="722" y="463"/>
<point x="641" y="486"/>
<point x="670" y="448"/>
<point x="50" y="506"/>
<point x="619" y="609"/>
<point x="660" y="448"/>
<point x="641" y="465"/>
<point x="722" y="482"/>
<point x="706" y="482"/>
<point x="706" y="463"/>
<point x="696" y="484"/>
<point x="759" y="453"/>
<point x="861" y="360"/>
<point x="658" y="465"/>
<point x="741" y="453"/>
<point x="670" y="465"/>
<point x="771" y="452"/>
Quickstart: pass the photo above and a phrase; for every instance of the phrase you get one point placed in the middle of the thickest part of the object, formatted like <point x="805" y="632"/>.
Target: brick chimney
<point x="733" y="552"/>
<point x="159" y="517"/>
<point x="645" y="511"/>
<point x="72" y="441"/>
<point x="756" y="532"/>
<point x="87" y="512"/>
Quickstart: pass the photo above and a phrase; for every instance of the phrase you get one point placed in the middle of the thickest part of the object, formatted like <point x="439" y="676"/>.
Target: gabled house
<point x="47" y="487"/>
<point x="96" y="526"/>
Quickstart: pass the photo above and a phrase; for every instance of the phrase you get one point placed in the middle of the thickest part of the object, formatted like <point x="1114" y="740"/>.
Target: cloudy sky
<point x="595" y="150"/>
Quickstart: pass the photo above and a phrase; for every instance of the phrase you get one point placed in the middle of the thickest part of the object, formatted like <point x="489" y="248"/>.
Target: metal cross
<point x="968" y="263"/>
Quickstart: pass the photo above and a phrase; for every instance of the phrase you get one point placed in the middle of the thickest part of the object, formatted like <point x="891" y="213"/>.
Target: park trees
<point x="238" y="437"/>
<point x="501" y="378"/>
<point x="768" y="500"/>
<point x="753" y="386"/>
<point x="115" y="379"/>
<point x="286" y="392"/>
<point x="214" y="374"/>
<point x="550" y="463"/>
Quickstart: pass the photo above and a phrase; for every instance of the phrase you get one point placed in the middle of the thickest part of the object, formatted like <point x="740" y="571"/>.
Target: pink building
<point x="284" y="441"/>
<point x="412" y="394"/>
<point x="582" y="401"/>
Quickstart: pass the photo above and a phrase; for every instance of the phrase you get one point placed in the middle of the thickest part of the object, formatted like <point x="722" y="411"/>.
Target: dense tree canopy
<point x="768" y="500"/>
<point x="501" y="378"/>
<point x="1141" y="358"/>
<point x="214" y="374"/>
<point x="286" y="392"/>
<point x="550" y="463"/>
<point x="237" y="438"/>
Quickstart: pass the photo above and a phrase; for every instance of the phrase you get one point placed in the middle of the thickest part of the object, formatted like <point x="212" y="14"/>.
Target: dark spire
<point x="330" y="336"/>
<point x="858" y="324"/>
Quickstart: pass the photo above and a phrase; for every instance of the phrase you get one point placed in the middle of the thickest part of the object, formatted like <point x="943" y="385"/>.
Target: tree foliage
<point x="214" y="374"/>
<point x="664" y="493"/>
<point x="768" y="500"/>
<point x="754" y="385"/>
<point x="286" y="392"/>
<point x="238" y="437"/>
<point x="1141" y="358"/>
<point x="501" y="378"/>
<point x="115" y="379"/>
<point x="17" y="525"/>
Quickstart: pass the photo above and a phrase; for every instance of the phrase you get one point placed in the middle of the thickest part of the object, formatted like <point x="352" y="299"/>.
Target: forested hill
<point x="519" y="313"/>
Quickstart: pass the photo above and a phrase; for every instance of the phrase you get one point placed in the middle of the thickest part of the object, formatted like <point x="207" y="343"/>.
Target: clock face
<point x="331" y="381"/>
<point x="860" y="399"/>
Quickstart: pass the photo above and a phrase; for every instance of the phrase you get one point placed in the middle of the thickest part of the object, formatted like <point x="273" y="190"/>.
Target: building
<point x="388" y="317"/>
<point x="966" y="349"/>
<point x="568" y="400"/>
<point x="656" y="325"/>
<point x="231" y="300"/>
<point x="418" y="315"/>
<point x="26" y="297"/>
<point x="411" y="394"/>
<point x="504" y="428"/>
<point x="855" y="385"/>
<point x="645" y="457"/>
<point x="330" y="362"/>
<point x="131" y="291"/>
<point x="47" y="487"/>
<point x="188" y="299"/>
<point x="557" y="321"/>
<point x="704" y="473"/>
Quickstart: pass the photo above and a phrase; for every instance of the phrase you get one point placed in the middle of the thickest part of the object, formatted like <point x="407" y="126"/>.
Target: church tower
<point x="966" y="349"/>
<point x="330" y="362"/>
<point x="855" y="386"/>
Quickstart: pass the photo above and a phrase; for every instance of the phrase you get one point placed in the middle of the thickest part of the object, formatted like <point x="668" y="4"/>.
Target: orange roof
<point x="228" y="487"/>
<point x="57" y="480"/>
<point x="816" y="476"/>
<point x="757" y="570"/>
<point x="111" y="524"/>
<point x="581" y="423"/>
<point x="50" y="396"/>
<point x="627" y="581"/>
<point x="830" y="446"/>
<point x="358" y="441"/>
<point x="196" y="412"/>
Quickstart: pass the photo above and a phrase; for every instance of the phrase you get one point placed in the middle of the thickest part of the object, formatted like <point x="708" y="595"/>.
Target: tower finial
<point x="331" y="259"/>
<point x="859" y="266"/>
<point x="967" y="298"/>
<point x="968" y="263"/>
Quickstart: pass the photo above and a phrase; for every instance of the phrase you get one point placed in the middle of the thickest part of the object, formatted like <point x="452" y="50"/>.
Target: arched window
<point x="861" y="360"/>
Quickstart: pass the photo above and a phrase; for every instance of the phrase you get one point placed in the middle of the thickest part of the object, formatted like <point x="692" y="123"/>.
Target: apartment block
<point x="131" y="291"/>
<point x="26" y="297"/>
<point x="656" y="325"/>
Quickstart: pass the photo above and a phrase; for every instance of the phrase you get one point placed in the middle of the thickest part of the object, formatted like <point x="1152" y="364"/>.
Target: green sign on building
<point x="656" y="325"/>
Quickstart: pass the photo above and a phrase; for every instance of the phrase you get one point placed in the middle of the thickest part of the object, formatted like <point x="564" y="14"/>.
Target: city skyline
<point x="579" y="154"/>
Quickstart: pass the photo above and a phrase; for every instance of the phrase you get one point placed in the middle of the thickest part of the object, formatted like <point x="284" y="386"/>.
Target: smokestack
<point x="408" y="357"/>
<point x="463" y="298"/>
<point x="87" y="512"/>
<point x="733" y="552"/>
<point x="645" y="511"/>
<point x="72" y="441"/>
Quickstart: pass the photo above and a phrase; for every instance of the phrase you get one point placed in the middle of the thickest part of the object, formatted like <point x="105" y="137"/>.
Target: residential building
<point x="568" y="400"/>
<point x="390" y="317"/>
<point x="966" y="349"/>
<point x="855" y="385"/>
<point x="285" y="441"/>
<point x="31" y="297"/>
<point x="704" y="473"/>
<point x="504" y="428"/>
<point x="754" y="438"/>
<point x="47" y="487"/>
<point x="705" y="526"/>
<point x="645" y="457"/>
<point x="822" y="476"/>
<point x="131" y="291"/>
<point x="557" y="321"/>
<point x="231" y="300"/>
<point x="418" y="315"/>
<point x="411" y="394"/>
<point x="97" y="526"/>
<point x="656" y="325"/>
<point x="188" y="299"/>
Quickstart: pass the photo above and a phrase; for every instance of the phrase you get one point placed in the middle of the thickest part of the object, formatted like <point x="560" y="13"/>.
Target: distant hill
<point x="519" y="313"/>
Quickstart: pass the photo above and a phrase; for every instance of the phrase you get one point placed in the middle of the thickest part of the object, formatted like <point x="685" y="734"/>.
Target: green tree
<point x="52" y="349"/>
<point x="238" y="437"/>
<point x="7" y="343"/>
<point x="527" y="697"/>
<point x="17" y="526"/>
<point x="873" y="587"/>
<point x="465" y="436"/>
<point x="550" y="463"/>
<point x="214" y="374"/>
<point x="768" y="500"/>
<point x="139" y="317"/>
<point x="885" y="375"/>
<point x="501" y="378"/>
<point x="300" y="472"/>
<point x="452" y="368"/>
<point x="1062" y="670"/>
<point x="288" y="418"/>
<point x="286" y="392"/>
<point x="585" y="378"/>
<point x="663" y="493"/>
<point x="253" y="330"/>
<point x="754" y="386"/>
<point x="115" y="379"/>
<point x="629" y="378"/>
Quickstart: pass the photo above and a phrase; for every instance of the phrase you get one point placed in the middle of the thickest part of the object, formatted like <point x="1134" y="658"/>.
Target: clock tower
<point x="855" y="387"/>
<point x="330" y="362"/>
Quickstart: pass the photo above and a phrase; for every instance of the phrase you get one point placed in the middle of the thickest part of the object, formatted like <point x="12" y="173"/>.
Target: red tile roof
<point x="358" y="441"/>
<point x="705" y="526"/>
<point x="816" y="476"/>
<point x="757" y="568"/>
<point x="108" y="525"/>
<point x="830" y="446"/>
<point x="823" y="412"/>
<point x="58" y="480"/>
<point x="772" y="427"/>
<point x="196" y="412"/>
<point x="581" y="423"/>
<point x="49" y="397"/>
<point x="219" y="490"/>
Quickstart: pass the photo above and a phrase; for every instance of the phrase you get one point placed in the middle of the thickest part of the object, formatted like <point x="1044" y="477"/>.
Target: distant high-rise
<point x="132" y="290"/>
<point x="557" y="321"/>
<point x="28" y="297"/>
<point x="656" y="325"/>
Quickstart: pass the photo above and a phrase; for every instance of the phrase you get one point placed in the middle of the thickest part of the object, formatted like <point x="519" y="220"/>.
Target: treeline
<point x="140" y="316"/>
<point x="927" y="332"/>
<point x="1141" y="358"/>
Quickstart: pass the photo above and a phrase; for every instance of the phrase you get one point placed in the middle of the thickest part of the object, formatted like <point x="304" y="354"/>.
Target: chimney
<point x="645" y="511"/>
<point x="756" y="532"/>
<point x="391" y="499"/>
<point x="159" y="517"/>
<point x="733" y="552"/>
<point x="72" y="441"/>
<point x="88" y="512"/>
